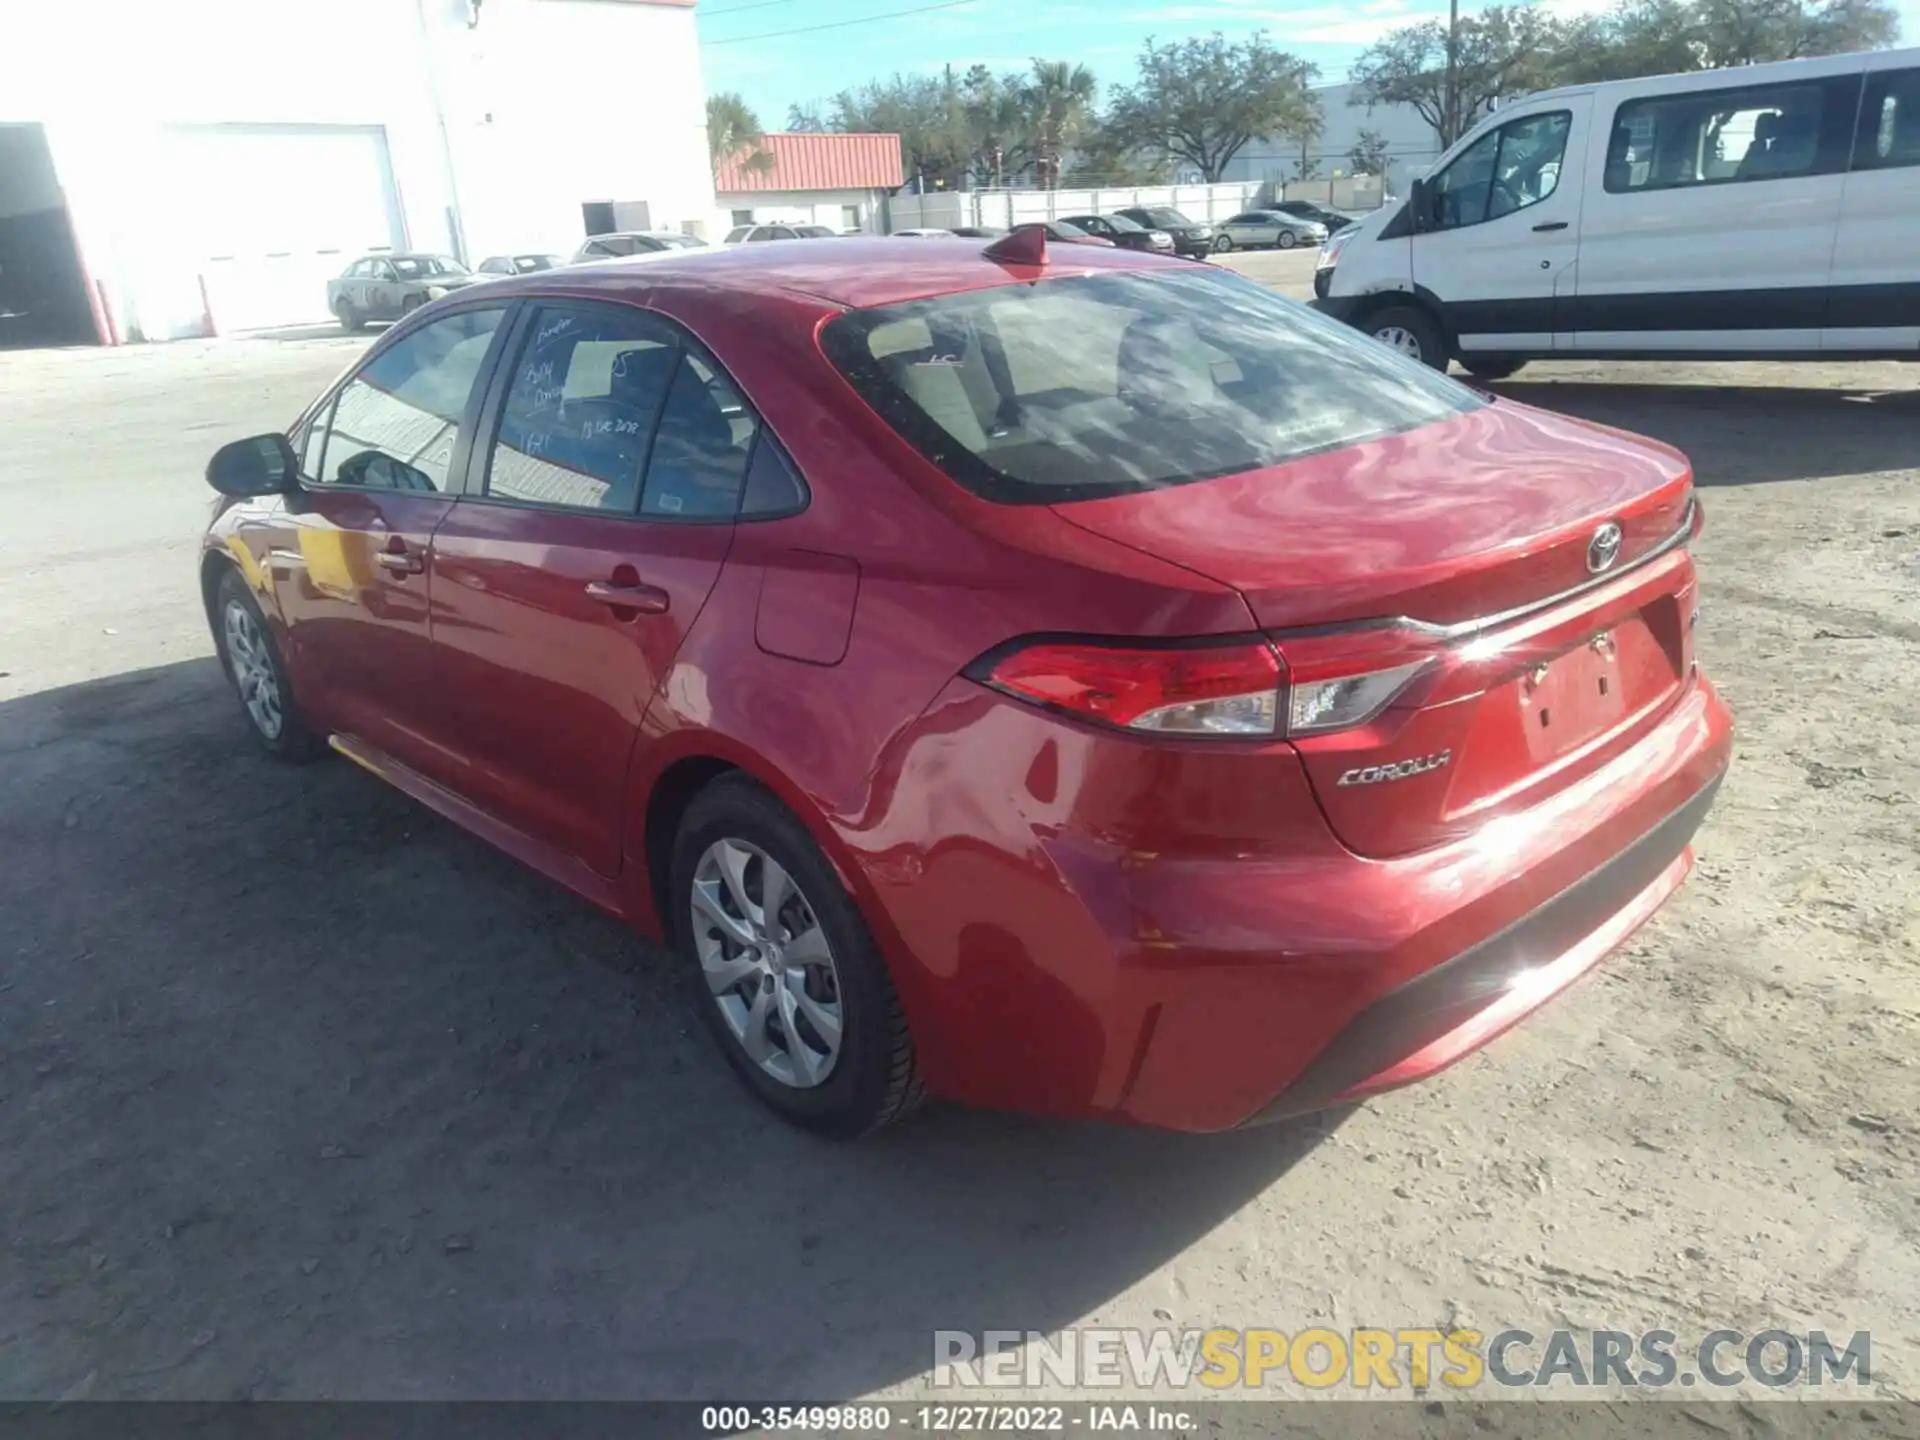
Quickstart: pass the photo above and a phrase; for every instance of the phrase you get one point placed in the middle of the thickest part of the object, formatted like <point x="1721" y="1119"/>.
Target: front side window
<point x="395" y="423"/>
<point x="1771" y="132"/>
<point x="1506" y="169"/>
<point x="381" y="270"/>
<point x="1108" y="384"/>
<point x="1889" y="122"/>
<point x="581" y="409"/>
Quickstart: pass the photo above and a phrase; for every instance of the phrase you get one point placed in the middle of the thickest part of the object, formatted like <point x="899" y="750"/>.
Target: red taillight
<point x="1226" y="689"/>
<point x="1343" y="678"/>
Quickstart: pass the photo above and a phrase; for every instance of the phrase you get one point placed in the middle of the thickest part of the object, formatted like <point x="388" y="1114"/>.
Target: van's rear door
<point x="1504" y="227"/>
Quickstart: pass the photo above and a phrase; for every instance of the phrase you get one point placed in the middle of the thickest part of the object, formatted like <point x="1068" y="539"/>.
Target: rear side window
<point x="1718" y="137"/>
<point x="1889" y="122"/>
<point x="1096" y="385"/>
<point x="700" y="451"/>
<point x="395" y="423"/>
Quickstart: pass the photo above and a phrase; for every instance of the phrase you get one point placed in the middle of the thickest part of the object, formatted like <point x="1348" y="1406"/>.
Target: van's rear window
<point x="1106" y="384"/>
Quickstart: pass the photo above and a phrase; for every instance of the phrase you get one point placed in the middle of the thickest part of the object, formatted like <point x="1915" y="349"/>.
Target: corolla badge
<point x="1397" y="770"/>
<point x="1604" y="548"/>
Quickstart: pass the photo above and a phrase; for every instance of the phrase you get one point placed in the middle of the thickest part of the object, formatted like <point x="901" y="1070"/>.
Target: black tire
<point x="1222" y="244"/>
<point x="1429" y="345"/>
<point x="351" y="320"/>
<point x="1287" y="240"/>
<point x="874" y="1079"/>
<point x="290" y="739"/>
<point x="1491" y="367"/>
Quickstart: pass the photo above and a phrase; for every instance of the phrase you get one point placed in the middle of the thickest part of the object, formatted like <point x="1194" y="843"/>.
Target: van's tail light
<point x="1244" y="688"/>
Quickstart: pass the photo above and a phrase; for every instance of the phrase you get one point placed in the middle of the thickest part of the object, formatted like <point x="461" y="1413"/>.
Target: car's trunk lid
<point x="1477" y="546"/>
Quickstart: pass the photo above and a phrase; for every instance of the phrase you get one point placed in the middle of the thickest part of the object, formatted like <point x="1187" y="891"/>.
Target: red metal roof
<point x="817" y="162"/>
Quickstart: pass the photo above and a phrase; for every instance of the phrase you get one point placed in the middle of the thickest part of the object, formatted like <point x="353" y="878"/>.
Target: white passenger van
<point x="1765" y="212"/>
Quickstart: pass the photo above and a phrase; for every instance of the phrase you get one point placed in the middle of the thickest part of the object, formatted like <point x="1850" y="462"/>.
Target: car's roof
<point x="859" y="272"/>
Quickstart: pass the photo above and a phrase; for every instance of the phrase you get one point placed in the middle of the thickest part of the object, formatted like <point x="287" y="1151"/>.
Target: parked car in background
<point x="1063" y="230"/>
<point x="1104" y="689"/>
<point x="979" y="232"/>
<point x="1334" y="220"/>
<point x="1264" y="229"/>
<point x="620" y="244"/>
<point x="1128" y="235"/>
<point x="385" y="287"/>
<point x="747" y="234"/>
<point x="528" y="264"/>
<point x="922" y="232"/>
<point x="1190" y="237"/>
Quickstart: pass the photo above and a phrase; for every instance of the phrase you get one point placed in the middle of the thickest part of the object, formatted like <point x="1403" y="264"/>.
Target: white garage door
<point x="272" y="212"/>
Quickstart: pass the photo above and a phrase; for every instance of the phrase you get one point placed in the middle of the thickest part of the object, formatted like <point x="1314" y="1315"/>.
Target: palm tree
<point x="1058" y="100"/>
<point x="732" y="127"/>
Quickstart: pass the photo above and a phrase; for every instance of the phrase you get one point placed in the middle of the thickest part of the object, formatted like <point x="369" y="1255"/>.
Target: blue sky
<point x="776" y="71"/>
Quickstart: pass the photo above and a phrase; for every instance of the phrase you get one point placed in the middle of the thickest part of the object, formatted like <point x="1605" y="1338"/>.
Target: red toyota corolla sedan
<point x="1041" y="676"/>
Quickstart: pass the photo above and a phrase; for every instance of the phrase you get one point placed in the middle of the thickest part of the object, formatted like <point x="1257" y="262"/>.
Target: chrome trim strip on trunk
<point x="1466" y="628"/>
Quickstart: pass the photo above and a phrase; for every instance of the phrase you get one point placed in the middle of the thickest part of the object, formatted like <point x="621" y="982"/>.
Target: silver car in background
<point x="1258" y="229"/>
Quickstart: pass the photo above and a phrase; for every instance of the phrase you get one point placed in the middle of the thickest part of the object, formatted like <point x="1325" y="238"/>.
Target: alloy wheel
<point x="251" y="664"/>
<point x="767" y="962"/>
<point x="1399" y="338"/>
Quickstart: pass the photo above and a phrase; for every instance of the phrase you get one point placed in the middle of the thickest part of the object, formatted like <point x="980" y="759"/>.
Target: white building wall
<point x="1412" y="144"/>
<point x="802" y="207"/>
<point x="547" y="104"/>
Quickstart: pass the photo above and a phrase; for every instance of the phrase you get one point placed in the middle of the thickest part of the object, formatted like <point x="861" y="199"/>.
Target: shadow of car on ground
<point x="305" y="1092"/>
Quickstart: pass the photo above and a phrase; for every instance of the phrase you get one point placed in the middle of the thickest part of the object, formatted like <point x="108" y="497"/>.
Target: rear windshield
<point x="1109" y="384"/>
<point x="1121" y="222"/>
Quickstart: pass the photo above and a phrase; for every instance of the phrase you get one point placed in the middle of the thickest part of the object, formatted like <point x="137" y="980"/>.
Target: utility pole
<point x="1450" y="109"/>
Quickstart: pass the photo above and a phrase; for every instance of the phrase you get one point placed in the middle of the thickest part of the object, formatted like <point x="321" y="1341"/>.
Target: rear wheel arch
<point x="680" y="782"/>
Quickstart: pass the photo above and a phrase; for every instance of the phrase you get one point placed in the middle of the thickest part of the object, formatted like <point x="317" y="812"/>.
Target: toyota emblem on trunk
<point x="1604" y="548"/>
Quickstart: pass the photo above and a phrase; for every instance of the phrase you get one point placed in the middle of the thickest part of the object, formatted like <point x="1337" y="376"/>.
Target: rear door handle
<point x="401" y="562"/>
<point x="646" y="599"/>
<point x="1551" y="225"/>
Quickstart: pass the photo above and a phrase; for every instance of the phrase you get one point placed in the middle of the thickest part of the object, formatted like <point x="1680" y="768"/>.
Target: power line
<point x="839" y="24"/>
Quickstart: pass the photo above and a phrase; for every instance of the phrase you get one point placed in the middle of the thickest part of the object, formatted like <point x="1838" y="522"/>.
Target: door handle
<point x="400" y="562"/>
<point x="645" y="599"/>
<point x="1551" y="225"/>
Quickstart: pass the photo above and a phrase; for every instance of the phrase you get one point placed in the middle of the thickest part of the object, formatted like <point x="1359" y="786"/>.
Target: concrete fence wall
<point x="948" y="209"/>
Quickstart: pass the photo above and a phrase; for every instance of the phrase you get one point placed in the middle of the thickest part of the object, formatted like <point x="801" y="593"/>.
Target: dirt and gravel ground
<point x="305" y="1093"/>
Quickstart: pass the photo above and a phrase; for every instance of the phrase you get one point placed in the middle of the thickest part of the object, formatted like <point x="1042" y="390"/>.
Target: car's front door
<point x="598" y="516"/>
<point x="382" y="291"/>
<point x="352" y="561"/>
<point x="1502" y="229"/>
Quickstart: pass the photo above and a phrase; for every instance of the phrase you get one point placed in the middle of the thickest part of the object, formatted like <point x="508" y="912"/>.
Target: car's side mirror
<point x="259" y="465"/>
<point x="1417" y="202"/>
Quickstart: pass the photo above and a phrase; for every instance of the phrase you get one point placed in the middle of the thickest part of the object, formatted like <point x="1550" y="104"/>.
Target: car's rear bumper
<point x="1172" y="936"/>
<point x="1460" y="1004"/>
